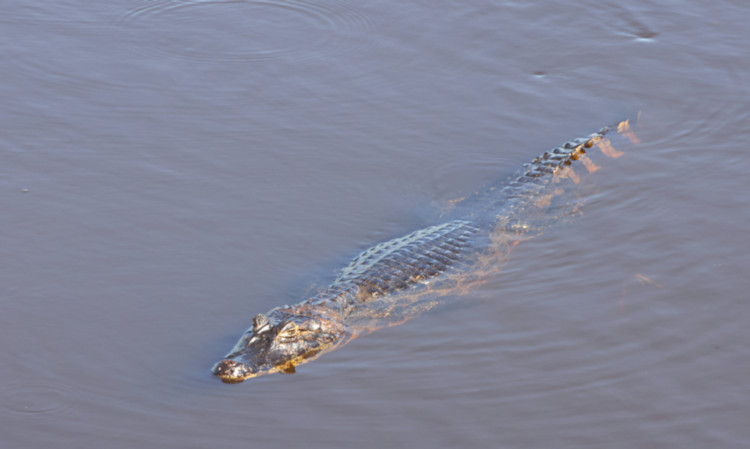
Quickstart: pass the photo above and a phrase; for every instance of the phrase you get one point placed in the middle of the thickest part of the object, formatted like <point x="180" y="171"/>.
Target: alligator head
<point x="276" y="344"/>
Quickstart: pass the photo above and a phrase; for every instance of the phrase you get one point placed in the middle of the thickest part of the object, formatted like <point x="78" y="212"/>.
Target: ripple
<point x="245" y="30"/>
<point x="35" y="399"/>
<point x="51" y="13"/>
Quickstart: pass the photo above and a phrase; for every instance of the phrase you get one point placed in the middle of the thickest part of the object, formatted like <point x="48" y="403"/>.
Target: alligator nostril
<point x="224" y="367"/>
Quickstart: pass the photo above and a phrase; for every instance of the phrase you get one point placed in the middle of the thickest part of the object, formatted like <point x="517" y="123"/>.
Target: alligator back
<point x="389" y="282"/>
<point x="403" y="262"/>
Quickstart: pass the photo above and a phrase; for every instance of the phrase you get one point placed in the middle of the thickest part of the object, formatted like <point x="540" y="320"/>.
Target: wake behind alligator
<point x="396" y="280"/>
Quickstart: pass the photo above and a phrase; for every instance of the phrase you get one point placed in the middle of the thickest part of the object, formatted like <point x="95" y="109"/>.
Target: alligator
<point x="395" y="280"/>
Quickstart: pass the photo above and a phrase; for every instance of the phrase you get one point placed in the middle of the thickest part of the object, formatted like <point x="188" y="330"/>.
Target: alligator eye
<point x="290" y="331"/>
<point x="260" y="323"/>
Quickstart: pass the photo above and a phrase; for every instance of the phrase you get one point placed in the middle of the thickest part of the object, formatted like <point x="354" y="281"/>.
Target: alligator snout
<point x="231" y="371"/>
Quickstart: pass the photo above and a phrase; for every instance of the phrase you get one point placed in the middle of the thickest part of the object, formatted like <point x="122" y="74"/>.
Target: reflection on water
<point x="170" y="168"/>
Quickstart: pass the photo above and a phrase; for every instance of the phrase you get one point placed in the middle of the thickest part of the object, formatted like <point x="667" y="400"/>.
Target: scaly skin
<point x="388" y="283"/>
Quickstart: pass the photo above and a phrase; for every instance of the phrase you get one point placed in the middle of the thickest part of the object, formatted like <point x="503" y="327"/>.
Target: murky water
<point x="170" y="168"/>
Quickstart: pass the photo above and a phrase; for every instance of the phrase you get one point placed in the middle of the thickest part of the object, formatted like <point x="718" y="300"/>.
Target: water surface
<point x="171" y="168"/>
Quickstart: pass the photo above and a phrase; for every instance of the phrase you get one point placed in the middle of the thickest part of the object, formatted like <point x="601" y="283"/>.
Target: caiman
<point x="395" y="280"/>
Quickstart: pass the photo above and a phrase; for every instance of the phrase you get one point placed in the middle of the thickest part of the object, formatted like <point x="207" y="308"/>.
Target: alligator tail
<point x="526" y="195"/>
<point x="550" y="162"/>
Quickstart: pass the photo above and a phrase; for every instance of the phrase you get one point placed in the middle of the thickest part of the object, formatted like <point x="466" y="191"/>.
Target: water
<point x="171" y="168"/>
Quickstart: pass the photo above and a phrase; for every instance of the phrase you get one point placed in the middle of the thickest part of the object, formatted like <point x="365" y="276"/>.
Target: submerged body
<point x="393" y="281"/>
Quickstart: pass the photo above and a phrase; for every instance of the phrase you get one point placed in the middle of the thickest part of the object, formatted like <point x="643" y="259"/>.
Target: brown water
<point x="170" y="168"/>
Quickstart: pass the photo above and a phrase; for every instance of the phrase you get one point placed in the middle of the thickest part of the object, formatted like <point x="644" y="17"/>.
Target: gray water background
<point x="170" y="168"/>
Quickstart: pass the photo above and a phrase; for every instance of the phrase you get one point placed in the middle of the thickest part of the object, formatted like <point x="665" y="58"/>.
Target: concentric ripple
<point x="245" y="30"/>
<point x="35" y="399"/>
